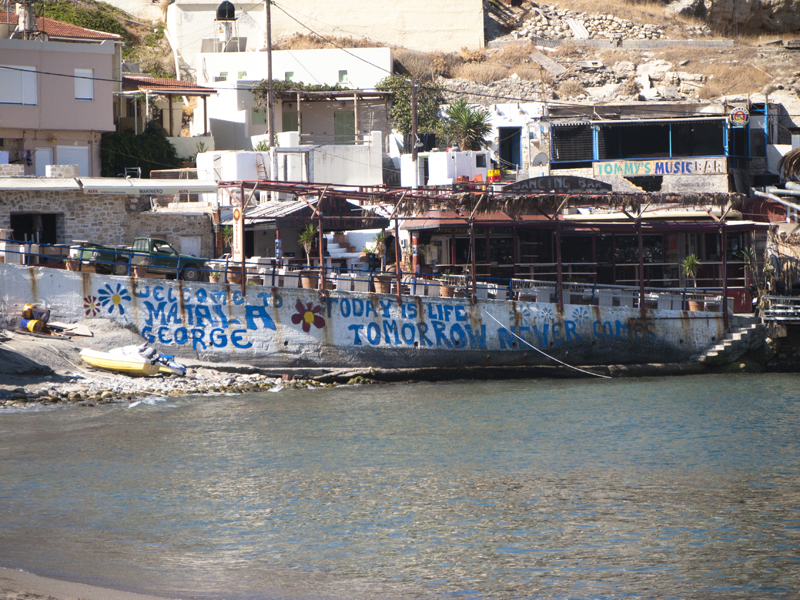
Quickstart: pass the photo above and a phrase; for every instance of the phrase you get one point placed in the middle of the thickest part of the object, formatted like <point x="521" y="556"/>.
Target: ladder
<point x="261" y="169"/>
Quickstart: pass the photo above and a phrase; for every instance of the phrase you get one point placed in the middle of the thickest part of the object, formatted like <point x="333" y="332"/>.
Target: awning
<point x="37" y="184"/>
<point x="147" y="187"/>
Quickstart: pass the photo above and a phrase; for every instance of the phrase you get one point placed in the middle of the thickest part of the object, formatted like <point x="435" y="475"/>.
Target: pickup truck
<point x="156" y="254"/>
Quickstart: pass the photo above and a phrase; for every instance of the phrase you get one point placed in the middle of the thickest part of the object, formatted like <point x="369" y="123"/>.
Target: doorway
<point x="509" y="147"/>
<point x="35" y="226"/>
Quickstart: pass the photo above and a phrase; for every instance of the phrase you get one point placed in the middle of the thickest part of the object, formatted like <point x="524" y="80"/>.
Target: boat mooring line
<point x="544" y="353"/>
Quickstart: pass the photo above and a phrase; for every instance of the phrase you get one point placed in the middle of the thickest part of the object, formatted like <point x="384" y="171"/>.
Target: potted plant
<point x="379" y="242"/>
<point x="214" y="276"/>
<point x="445" y="289"/>
<point x="689" y="267"/>
<point x="73" y="264"/>
<point x="382" y="284"/>
<point x="307" y="238"/>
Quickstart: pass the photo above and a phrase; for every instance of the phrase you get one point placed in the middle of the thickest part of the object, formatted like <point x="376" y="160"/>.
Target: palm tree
<point x="468" y="126"/>
<point x="306" y="240"/>
<point x="690" y="265"/>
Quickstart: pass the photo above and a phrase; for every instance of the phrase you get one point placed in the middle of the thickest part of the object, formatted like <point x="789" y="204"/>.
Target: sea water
<point x="685" y="487"/>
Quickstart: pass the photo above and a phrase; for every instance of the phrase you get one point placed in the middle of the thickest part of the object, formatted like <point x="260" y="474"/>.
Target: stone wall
<point x="105" y="219"/>
<point x="15" y="170"/>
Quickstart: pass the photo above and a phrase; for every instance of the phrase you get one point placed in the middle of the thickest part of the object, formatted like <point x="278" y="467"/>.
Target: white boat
<point x="130" y="364"/>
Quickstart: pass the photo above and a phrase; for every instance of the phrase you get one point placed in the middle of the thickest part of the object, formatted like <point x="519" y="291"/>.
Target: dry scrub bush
<point x="302" y="41"/>
<point x="472" y="56"/>
<point x="570" y="89"/>
<point x="424" y="66"/>
<point x="531" y="73"/>
<point x="739" y="79"/>
<point x="518" y="54"/>
<point x="568" y="50"/>
<point x="481" y="72"/>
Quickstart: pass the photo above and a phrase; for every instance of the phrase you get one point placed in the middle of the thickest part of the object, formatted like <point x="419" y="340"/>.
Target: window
<point x="242" y="75"/>
<point x="288" y="76"/>
<point x="480" y="161"/>
<point x="222" y="76"/>
<point x="289" y="121"/>
<point x="84" y="84"/>
<point x="343" y="76"/>
<point x="258" y="116"/>
<point x="18" y="85"/>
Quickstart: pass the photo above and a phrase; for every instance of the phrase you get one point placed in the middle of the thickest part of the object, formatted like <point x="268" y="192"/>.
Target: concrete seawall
<point x="286" y="327"/>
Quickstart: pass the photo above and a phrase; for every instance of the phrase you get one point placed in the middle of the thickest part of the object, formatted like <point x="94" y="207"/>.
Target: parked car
<point x="157" y="255"/>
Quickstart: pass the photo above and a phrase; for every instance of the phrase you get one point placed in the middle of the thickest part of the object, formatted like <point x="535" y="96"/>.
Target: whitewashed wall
<point x="295" y="327"/>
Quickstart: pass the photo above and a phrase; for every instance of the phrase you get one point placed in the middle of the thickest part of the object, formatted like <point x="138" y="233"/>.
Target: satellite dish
<point x="540" y="159"/>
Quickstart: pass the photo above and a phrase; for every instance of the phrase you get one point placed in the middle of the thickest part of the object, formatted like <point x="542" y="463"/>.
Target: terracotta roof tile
<point x="57" y="29"/>
<point x="163" y="85"/>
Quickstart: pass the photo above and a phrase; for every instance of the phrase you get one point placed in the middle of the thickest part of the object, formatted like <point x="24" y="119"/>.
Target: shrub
<point x="149" y="150"/>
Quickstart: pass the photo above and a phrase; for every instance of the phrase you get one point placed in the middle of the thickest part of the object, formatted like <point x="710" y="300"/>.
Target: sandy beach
<point x="18" y="585"/>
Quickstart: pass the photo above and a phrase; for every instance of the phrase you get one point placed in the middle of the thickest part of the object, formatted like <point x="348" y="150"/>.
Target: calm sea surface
<point x="685" y="487"/>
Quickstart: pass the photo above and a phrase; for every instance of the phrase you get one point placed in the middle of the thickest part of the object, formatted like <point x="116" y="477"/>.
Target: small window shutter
<point x="84" y="88"/>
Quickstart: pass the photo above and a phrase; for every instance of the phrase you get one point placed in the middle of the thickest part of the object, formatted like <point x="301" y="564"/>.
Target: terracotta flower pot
<point x="695" y="305"/>
<point x="72" y="265"/>
<point x="235" y="277"/>
<point x="309" y="280"/>
<point x="446" y="291"/>
<point x="382" y="284"/>
<point x="140" y="271"/>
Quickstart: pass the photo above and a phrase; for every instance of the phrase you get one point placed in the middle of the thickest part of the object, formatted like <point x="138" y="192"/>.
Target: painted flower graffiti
<point x="308" y="316"/>
<point x="580" y="314"/>
<point x="91" y="306"/>
<point x="111" y="298"/>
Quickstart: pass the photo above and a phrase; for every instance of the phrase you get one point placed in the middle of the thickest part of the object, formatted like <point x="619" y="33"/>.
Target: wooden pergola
<point x="169" y="88"/>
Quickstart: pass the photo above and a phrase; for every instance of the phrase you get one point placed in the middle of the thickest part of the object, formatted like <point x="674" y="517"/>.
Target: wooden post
<point x="559" y="267"/>
<point x="169" y="97"/>
<point x="397" y="258"/>
<point x="724" y="276"/>
<point x="299" y="120"/>
<point x="641" y="269"/>
<point x="472" y="259"/>
<point x="321" y="241"/>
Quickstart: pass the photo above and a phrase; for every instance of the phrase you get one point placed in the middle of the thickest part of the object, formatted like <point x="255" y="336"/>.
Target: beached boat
<point x="130" y="364"/>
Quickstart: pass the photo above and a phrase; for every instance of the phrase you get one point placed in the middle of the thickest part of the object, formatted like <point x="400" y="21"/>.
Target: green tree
<point x="430" y="97"/>
<point x="466" y="126"/>
<point x="306" y="240"/>
<point x="150" y="150"/>
<point x="690" y="266"/>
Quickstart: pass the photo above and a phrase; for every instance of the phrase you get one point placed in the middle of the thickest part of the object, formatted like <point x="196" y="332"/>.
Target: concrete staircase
<point x="738" y="341"/>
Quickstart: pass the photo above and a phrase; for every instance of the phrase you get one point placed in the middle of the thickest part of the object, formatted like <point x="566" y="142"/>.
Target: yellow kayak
<point x="130" y="364"/>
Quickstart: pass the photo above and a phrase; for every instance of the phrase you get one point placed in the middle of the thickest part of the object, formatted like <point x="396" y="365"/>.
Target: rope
<point x="545" y="354"/>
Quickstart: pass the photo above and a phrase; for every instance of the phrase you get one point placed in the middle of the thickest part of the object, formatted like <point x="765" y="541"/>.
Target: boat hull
<point x="128" y="364"/>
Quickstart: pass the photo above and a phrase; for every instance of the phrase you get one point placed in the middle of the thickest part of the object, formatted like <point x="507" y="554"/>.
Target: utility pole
<point x="270" y="99"/>
<point x="414" y="131"/>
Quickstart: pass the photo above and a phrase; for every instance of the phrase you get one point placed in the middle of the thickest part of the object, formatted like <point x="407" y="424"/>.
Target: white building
<point x="418" y="24"/>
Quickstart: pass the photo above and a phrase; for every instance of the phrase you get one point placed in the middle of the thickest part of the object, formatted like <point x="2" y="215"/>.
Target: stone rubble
<point x="109" y="388"/>
<point x="551" y="23"/>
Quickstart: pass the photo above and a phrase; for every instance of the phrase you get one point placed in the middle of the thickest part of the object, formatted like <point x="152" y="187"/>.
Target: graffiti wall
<point x="296" y="327"/>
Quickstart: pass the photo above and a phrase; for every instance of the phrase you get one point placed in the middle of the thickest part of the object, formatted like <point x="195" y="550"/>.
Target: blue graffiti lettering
<point x="457" y="335"/>
<point x="236" y="339"/>
<point x="260" y="312"/>
<point x="373" y="333"/>
<point x="141" y="294"/>
<point x="330" y="304"/>
<point x="390" y="327"/>
<point x="202" y="295"/>
<point x="423" y="339"/>
<point x="358" y="307"/>
<point x="542" y="336"/>
<point x="181" y="335"/>
<point x="386" y="306"/>
<point x="218" y="338"/>
<point x="197" y="339"/>
<point x="355" y="329"/>
<point x="569" y="327"/>
<point x="441" y="338"/>
<point x="237" y="298"/>
<point x="461" y="313"/>
<point x="155" y="312"/>
<point x="158" y="293"/>
<point x="370" y="306"/>
<point x="476" y="340"/>
<point x="222" y="316"/>
<point x="623" y="330"/>
<point x="203" y="313"/>
<point x="506" y="338"/>
<point x="344" y="307"/>
<point x="147" y="334"/>
<point x="161" y="335"/>
<point x="408" y="332"/>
